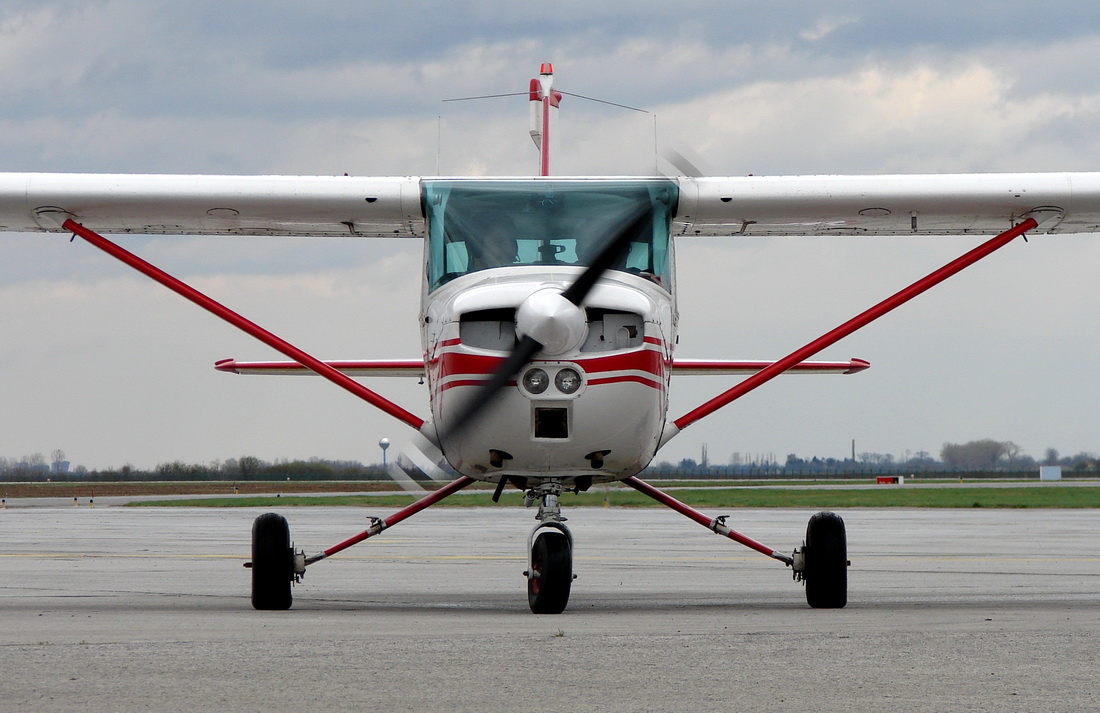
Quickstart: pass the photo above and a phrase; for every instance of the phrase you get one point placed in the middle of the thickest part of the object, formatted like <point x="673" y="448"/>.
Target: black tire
<point x="826" y="554"/>
<point x="272" y="563"/>
<point x="551" y="573"/>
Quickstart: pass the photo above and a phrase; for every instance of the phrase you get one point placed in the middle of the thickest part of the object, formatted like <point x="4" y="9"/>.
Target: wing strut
<point x="216" y="308"/>
<point x="858" y="322"/>
<point x="716" y="525"/>
<point x="380" y="524"/>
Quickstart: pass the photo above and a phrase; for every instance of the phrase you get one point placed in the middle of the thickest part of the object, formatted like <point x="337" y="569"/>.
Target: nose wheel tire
<point x="272" y="563"/>
<point x="826" y="553"/>
<point x="551" y="573"/>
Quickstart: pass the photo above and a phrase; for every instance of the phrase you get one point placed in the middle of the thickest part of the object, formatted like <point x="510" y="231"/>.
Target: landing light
<point x="535" y="381"/>
<point x="568" y="381"/>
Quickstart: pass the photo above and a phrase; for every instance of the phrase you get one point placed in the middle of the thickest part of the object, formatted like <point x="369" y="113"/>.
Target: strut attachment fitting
<point x="299" y="565"/>
<point x="798" y="564"/>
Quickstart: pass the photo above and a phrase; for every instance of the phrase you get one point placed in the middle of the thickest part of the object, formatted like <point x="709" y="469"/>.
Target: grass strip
<point x="1051" y="496"/>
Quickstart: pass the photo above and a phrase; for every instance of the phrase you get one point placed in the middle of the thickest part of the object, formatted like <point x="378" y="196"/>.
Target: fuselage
<point x="589" y="408"/>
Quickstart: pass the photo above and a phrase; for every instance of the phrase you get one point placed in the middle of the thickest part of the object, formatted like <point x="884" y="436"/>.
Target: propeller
<point x="543" y="318"/>
<point x="683" y="164"/>
<point x="417" y="460"/>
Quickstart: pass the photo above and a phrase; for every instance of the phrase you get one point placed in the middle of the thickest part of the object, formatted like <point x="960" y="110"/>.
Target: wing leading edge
<point x="213" y="205"/>
<point x="936" y="204"/>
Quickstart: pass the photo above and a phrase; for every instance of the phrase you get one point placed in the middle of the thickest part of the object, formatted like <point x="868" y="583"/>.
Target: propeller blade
<point x="611" y="253"/>
<point x="425" y="456"/>
<point x="524" y="350"/>
<point x="404" y="480"/>
<point x="682" y="163"/>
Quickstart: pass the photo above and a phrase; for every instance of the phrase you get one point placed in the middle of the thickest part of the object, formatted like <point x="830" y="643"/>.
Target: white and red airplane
<point x="548" y="312"/>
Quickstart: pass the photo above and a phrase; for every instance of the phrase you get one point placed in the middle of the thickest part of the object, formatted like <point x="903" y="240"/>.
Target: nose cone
<point x="551" y="320"/>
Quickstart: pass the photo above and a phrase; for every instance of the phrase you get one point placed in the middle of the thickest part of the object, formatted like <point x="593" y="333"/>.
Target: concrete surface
<point x="118" y="609"/>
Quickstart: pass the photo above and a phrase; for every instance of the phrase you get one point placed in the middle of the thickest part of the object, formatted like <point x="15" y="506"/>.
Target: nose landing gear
<point x="550" y="553"/>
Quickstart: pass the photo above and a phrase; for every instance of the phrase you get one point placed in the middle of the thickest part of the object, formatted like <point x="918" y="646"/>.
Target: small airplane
<point x="548" y="313"/>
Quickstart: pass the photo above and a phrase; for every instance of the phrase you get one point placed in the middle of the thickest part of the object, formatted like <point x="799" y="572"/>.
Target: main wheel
<point x="551" y="573"/>
<point x="272" y="562"/>
<point x="826" y="553"/>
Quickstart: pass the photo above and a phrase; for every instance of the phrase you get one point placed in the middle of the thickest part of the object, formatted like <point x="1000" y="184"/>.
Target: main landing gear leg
<point x="550" y="553"/>
<point x="275" y="564"/>
<point x="822" y="563"/>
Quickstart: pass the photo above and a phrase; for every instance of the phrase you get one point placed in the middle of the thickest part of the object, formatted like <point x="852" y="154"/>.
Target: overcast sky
<point x="113" y="369"/>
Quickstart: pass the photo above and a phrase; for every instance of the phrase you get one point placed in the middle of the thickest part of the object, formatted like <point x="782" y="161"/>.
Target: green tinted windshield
<point x="475" y="225"/>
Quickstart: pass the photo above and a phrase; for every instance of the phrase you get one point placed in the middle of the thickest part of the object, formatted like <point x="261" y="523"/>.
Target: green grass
<point x="1049" y="496"/>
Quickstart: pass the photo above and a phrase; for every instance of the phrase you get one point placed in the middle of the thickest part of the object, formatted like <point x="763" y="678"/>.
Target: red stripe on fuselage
<point x="647" y="360"/>
<point x="467" y="382"/>
<point x="626" y="378"/>
<point x="456" y="363"/>
<point x="451" y="364"/>
<point x="456" y="368"/>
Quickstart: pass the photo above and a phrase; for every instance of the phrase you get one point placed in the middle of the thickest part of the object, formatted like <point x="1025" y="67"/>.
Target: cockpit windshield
<point x="475" y="225"/>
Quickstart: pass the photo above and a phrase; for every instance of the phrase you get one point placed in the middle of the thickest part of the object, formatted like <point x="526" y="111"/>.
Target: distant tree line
<point x="35" y="469"/>
<point x="987" y="456"/>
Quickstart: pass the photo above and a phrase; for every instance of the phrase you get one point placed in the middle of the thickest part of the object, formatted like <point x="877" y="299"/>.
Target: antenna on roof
<point x="544" y="100"/>
<point x="544" y="108"/>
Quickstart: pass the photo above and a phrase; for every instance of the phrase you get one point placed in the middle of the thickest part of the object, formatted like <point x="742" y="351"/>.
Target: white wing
<point x="943" y="204"/>
<point x="214" y="205"/>
<point x="938" y="204"/>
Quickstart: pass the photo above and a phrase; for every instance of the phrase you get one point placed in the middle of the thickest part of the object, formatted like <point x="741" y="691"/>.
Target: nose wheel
<point x="550" y="554"/>
<point x="551" y="574"/>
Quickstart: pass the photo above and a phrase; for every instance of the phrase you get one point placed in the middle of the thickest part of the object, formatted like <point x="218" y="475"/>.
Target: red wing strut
<point x="852" y="325"/>
<point x="316" y="365"/>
